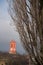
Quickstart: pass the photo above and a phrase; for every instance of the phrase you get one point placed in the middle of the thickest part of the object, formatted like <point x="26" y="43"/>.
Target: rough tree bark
<point x="28" y="18"/>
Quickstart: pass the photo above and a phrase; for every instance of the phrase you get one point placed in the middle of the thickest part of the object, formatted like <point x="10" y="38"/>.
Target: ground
<point x="13" y="59"/>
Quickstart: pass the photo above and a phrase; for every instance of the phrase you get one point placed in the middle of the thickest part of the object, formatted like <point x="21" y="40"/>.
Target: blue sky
<point x="7" y="33"/>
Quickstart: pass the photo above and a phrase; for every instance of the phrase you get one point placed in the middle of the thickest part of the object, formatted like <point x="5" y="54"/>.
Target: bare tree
<point x="27" y="16"/>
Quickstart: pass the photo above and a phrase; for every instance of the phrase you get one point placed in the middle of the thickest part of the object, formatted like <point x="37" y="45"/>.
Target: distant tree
<point x="27" y="16"/>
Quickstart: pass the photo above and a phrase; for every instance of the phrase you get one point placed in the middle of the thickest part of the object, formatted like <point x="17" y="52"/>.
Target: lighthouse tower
<point x="12" y="47"/>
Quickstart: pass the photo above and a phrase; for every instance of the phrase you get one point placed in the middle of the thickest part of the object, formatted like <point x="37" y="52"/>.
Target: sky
<point x="7" y="32"/>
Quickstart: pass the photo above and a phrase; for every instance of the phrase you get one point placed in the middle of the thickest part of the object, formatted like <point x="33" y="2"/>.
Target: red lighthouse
<point x="12" y="47"/>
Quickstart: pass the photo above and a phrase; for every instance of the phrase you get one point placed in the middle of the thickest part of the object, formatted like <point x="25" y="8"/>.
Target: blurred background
<point x="7" y="31"/>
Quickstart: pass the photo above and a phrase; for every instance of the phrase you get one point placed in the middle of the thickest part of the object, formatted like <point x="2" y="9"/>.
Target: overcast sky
<point x="7" y="33"/>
